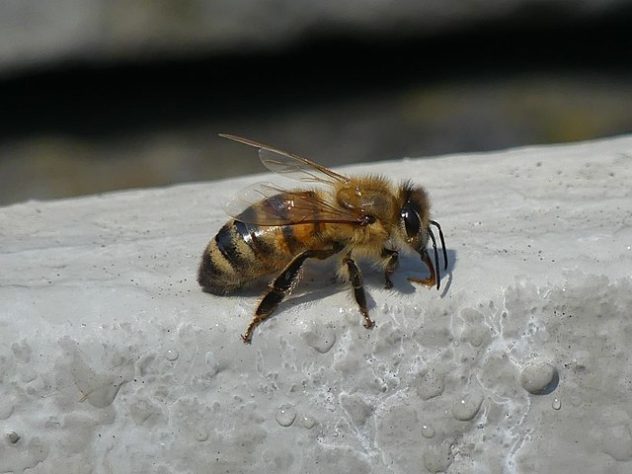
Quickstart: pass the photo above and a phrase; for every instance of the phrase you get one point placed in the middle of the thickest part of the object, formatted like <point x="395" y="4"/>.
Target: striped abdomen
<point x="241" y="253"/>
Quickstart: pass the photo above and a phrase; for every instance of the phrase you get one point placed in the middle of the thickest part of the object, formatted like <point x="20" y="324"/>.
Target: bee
<point x="367" y="217"/>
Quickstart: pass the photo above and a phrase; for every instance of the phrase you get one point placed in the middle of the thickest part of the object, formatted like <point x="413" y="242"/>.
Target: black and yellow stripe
<point x="242" y="252"/>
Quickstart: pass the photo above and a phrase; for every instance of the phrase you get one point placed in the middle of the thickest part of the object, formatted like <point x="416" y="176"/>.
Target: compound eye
<point x="412" y="222"/>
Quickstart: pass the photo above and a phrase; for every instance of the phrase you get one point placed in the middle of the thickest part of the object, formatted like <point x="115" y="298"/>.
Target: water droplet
<point x="308" y="422"/>
<point x="212" y="363"/>
<point x="200" y="434"/>
<point x="13" y="437"/>
<point x="22" y="351"/>
<point x="321" y="339"/>
<point x="557" y="403"/>
<point x="172" y="354"/>
<point x="438" y="458"/>
<point x="476" y="335"/>
<point x="427" y="431"/>
<point x="539" y="377"/>
<point x="357" y="409"/>
<point x="285" y="415"/>
<point x="430" y="384"/>
<point x="7" y="404"/>
<point x="467" y="407"/>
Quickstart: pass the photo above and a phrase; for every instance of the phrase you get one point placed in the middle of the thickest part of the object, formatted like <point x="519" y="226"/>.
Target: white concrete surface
<point x="113" y="360"/>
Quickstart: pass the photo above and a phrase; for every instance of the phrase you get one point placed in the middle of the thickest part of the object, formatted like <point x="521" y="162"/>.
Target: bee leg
<point x="281" y="287"/>
<point x="358" y="290"/>
<point x="392" y="261"/>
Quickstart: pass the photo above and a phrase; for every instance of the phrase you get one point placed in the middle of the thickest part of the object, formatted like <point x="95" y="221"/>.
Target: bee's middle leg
<point x="392" y="261"/>
<point x="358" y="290"/>
<point x="281" y="287"/>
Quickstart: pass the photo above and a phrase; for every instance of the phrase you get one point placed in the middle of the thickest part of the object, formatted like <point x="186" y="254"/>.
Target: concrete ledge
<point x="113" y="360"/>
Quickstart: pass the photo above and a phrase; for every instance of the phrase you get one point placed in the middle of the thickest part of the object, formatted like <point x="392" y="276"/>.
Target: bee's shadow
<point x="319" y="280"/>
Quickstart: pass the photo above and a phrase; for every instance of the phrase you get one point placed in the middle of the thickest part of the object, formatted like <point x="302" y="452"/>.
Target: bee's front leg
<point x="392" y="261"/>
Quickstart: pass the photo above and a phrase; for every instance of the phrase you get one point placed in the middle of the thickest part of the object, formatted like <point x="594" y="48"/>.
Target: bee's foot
<point x="246" y="338"/>
<point x="368" y="323"/>
<point x="388" y="284"/>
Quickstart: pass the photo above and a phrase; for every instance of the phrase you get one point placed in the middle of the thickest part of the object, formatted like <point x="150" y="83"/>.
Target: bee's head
<point x="414" y="225"/>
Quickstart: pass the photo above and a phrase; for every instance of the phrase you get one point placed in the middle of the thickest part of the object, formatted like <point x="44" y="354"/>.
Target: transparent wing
<point x="267" y="204"/>
<point x="247" y="202"/>
<point x="291" y="165"/>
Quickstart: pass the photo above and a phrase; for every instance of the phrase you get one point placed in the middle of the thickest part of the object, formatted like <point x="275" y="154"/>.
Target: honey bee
<point x="352" y="217"/>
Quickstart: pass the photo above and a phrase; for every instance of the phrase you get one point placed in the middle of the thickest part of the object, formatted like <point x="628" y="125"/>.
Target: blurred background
<point x="97" y="95"/>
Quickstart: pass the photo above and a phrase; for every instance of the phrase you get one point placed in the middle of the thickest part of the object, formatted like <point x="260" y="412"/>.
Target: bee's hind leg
<point x="281" y="287"/>
<point x="358" y="290"/>
<point x="391" y="258"/>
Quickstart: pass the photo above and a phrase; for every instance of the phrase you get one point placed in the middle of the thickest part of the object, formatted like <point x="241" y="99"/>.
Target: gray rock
<point x="109" y="347"/>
